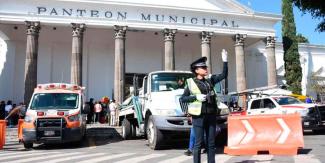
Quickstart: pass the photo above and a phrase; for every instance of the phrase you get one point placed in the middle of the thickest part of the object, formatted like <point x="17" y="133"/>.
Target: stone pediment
<point x="219" y="16"/>
<point x="231" y="6"/>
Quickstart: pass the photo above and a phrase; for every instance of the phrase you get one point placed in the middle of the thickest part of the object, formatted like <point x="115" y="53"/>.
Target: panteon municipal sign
<point x="140" y="16"/>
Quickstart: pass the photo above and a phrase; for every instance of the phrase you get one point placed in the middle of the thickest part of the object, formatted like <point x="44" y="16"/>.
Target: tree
<point x="301" y="39"/>
<point x="293" y="72"/>
<point x="316" y="8"/>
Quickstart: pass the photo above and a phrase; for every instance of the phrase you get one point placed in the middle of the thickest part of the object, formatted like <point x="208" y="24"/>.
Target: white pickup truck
<point x="313" y="115"/>
<point x="156" y="111"/>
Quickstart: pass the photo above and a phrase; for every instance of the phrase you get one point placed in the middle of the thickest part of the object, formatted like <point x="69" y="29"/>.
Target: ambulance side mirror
<point x="86" y="109"/>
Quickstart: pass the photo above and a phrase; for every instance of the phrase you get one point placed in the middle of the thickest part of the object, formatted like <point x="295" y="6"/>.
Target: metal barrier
<point x="3" y="125"/>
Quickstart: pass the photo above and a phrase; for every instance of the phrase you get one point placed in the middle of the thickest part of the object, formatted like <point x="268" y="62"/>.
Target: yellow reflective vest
<point x="194" y="108"/>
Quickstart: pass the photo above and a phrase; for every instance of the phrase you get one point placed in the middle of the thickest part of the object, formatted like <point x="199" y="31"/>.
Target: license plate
<point x="49" y="133"/>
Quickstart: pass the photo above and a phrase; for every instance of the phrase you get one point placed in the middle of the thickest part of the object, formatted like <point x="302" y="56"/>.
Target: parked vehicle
<point x="56" y="114"/>
<point x="313" y="115"/>
<point x="259" y="102"/>
<point x="155" y="111"/>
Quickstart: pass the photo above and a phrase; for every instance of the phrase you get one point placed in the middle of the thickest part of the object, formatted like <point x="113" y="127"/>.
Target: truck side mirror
<point x="86" y="109"/>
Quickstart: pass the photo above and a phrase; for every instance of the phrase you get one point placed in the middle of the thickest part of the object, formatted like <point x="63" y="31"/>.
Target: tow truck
<point x="56" y="114"/>
<point x="155" y="111"/>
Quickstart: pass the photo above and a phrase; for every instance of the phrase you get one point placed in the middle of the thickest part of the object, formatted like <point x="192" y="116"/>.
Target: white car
<point x="313" y="115"/>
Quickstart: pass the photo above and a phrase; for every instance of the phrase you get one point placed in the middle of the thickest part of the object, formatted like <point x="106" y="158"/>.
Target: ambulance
<point x="56" y="114"/>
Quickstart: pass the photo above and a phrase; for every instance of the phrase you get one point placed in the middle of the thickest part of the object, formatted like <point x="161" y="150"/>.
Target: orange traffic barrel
<point x="273" y="134"/>
<point x="3" y="125"/>
<point x="20" y="129"/>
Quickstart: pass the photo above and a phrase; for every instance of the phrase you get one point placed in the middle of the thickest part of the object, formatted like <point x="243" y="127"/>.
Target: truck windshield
<point x="168" y="81"/>
<point x="55" y="101"/>
<point x="287" y="101"/>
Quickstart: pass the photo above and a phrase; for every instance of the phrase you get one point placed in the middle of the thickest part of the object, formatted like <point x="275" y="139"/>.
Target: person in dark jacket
<point x="202" y="106"/>
<point x="91" y="112"/>
<point x="2" y="109"/>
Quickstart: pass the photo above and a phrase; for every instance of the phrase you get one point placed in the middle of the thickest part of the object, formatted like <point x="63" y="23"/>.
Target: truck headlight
<point x="74" y="118"/>
<point x="28" y="119"/>
<point x="166" y="112"/>
<point x="303" y="113"/>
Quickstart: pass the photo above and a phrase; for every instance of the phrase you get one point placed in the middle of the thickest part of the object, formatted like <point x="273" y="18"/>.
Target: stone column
<point x="119" y="73"/>
<point x="206" y="48"/>
<point x="30" y="79"/>
<point x="240" y="62"/>
<point x="76" y="56"/>
<point x="271" y="61"/>
<point x="169" y="58"/>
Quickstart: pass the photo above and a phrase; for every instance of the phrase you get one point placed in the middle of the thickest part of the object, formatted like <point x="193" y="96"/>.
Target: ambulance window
<point x="55" y="101"/>
<point x="256" y="104"/>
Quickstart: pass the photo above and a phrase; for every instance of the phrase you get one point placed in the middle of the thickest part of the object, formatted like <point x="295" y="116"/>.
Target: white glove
<point x="224" y="55"/>
<point x="201" y="97"/>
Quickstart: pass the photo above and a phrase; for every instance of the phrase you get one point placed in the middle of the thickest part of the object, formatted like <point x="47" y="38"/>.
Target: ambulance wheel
<point x="126" y="129"/>
<point x="28" y="145"/>
<point x="154" y="135"/>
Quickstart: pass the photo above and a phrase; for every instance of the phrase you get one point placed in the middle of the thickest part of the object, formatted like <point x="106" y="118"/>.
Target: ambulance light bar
<point x="59" y="86"/>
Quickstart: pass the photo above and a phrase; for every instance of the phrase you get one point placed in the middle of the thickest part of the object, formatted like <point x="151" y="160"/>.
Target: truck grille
<point x="183" y="105"/>
<point x="322" y="112"/>
<point x="50" y="122"/>
<point x="50" y="127"/>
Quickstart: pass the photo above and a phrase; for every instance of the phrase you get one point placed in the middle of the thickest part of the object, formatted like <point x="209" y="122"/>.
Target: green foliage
<point x="293" y="72"/>
<point x="316" y="8"/>
<point x="301" y="39"/>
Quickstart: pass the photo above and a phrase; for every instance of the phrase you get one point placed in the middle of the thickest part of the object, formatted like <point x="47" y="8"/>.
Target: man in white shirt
<point x="112" y="108"/>
<point x="8" y="108"/>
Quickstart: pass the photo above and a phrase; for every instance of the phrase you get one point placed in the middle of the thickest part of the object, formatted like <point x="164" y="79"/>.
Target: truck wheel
<point x="134" y="129"/>
<point x="126" y="129"/>
<point x="155" y="137"/>
<point x="28" y="145"/>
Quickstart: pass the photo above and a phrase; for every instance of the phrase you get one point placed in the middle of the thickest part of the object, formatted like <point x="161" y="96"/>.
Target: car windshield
<point x="287" y="101"/>
<point x="168" y="81"/>
<point x="55" y="101"/>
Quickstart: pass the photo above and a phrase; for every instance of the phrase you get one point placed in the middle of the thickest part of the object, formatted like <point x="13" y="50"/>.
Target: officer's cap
<point x="198" y="63"/>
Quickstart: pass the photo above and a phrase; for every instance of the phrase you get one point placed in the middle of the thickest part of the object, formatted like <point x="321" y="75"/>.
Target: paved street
<point x="138" y="151"/>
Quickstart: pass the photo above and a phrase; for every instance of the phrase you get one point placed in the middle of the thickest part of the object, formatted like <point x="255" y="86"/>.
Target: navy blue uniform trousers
<point x="204" y="123"/>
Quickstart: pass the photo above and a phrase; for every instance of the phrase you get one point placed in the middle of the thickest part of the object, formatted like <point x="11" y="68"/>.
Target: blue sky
<point x="304" y="23"/>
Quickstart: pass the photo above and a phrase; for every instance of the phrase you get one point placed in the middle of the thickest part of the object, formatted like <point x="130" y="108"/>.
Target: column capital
<point x="78" y="29"/>
<point x="239" y="39"/>
<point x="206" y="37"/>
<point x="169" y="34"/>
<point x="33" y="28"/>
<point x="270" y="41"/>
<point x="120" y="31"/>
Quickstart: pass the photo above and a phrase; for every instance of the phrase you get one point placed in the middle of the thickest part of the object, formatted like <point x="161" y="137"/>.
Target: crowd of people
<point x="11" y="112"/>
<point x="103" y="111"/>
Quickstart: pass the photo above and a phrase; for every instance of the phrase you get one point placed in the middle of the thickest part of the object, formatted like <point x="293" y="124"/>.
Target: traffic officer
<point x="200" y="95"/>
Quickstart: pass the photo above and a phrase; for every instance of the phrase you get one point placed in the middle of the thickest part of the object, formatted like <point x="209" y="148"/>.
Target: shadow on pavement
<point x="304" y="151"/>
